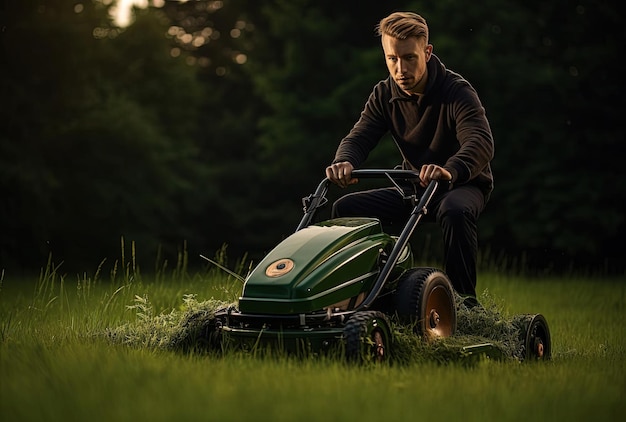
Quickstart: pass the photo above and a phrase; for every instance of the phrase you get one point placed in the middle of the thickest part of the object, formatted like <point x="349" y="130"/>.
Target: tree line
<point x="204" y="123"/>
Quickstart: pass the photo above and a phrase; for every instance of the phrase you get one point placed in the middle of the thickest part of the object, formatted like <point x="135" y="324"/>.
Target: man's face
<point x="406" y="61"/>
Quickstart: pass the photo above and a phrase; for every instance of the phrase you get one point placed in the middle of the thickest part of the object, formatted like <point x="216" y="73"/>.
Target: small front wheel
<point x="367" y="337"/>
<point x="534" y="335"/>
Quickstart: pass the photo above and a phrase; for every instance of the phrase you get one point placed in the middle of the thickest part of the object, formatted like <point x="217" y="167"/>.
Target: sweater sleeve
<point x="474" y="136"/>
<point x="366" y="132"/>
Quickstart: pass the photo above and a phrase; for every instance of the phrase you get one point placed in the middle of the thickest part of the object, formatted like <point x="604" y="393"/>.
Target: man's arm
<point x="366" y="132"/>
<point x="474" y="135"/>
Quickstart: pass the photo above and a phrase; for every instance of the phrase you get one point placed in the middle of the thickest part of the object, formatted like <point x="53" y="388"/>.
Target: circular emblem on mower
<point x="280" y="267"/>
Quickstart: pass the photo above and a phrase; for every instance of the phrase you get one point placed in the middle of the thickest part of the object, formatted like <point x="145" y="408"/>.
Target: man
<point x="440" y="127"/>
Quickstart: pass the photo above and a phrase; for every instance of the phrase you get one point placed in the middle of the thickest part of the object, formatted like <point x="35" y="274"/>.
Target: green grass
<point x="58" y="360"/>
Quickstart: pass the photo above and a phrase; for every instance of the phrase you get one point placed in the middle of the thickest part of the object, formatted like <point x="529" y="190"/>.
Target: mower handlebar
<point x="314" y="201"/>
<point x="383" y="173"/>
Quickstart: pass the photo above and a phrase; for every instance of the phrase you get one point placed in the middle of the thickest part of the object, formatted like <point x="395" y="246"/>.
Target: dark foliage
<point x="205" y="123"/>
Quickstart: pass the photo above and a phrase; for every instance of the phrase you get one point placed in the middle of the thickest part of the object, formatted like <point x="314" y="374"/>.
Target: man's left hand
<point x="430" y="172"/>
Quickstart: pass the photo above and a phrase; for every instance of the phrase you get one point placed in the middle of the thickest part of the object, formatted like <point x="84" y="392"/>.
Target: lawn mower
<point x="343" y="281"/>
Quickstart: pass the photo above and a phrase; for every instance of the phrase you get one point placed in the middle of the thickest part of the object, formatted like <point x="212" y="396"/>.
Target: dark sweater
<point x="446" y="125"/>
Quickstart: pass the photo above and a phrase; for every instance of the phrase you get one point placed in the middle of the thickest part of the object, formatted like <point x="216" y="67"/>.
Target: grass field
<point x="59" y="362"/>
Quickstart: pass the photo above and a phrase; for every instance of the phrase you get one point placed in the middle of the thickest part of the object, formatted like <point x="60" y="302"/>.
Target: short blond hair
<point x="402" y="25"/>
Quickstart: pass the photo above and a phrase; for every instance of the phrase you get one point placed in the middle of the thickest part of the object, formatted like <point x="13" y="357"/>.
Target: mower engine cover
<point x="331" y="264"/>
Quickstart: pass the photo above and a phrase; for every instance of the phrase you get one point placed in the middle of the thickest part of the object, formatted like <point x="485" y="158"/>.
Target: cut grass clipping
<point x="186" y="329"/>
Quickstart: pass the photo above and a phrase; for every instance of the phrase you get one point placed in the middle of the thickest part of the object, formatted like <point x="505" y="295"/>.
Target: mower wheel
<point x="534" y="334"/>
<point x="367" y="337"/>
<point x="425" y="298"/>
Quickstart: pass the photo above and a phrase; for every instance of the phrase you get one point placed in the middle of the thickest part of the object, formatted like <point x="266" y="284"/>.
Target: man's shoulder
<point x="455" y="79"/>
<point x="445" y="78"/>
<point x="452" y="86"/>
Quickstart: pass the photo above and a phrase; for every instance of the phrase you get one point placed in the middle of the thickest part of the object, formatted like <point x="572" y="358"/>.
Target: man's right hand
<point x="341" y="174"/>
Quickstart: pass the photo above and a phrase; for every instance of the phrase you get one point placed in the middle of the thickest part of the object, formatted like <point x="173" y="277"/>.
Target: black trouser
<point x="456" y="211"/>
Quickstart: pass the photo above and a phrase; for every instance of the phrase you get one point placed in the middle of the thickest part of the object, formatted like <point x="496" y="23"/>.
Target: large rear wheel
<point x="367" y="337"/>
<point x="425" y="298"/>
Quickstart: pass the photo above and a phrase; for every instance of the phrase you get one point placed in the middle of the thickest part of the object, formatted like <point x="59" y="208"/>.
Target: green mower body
<point x="323" y="266"/>
<point x="300" y="295"/>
